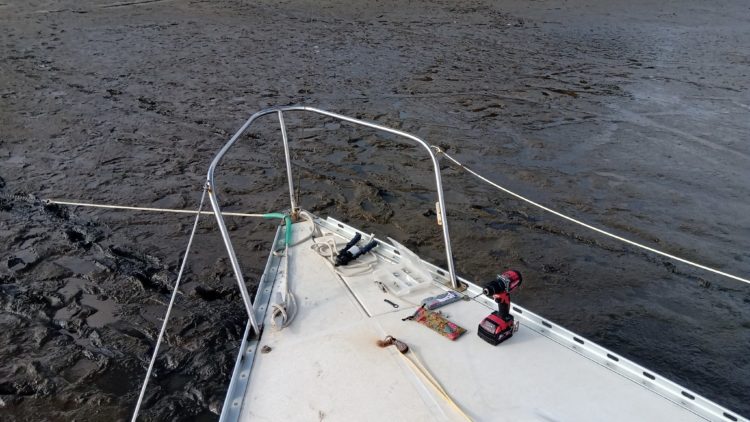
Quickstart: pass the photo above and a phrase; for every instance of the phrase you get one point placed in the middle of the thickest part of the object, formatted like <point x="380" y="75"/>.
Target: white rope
<point x="588" y="226"/>
<point x="126" y="207"/>
<point x="328" y="249"/>
<point x="169" y="308"/>
<point x="284" y="311"/>
<point x="312" y="227"/>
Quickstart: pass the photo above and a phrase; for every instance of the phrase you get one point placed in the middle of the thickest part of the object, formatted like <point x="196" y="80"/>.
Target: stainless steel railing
<point x="213" y="195"/>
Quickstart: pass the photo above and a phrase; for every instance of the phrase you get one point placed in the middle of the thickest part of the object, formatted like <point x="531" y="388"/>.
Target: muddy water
<point x="630" y="115"/>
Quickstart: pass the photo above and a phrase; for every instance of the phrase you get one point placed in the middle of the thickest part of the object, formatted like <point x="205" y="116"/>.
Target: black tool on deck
<point x="500" y="325"/>
<point x="394" y="304"/>
<point x="351" y="251"/>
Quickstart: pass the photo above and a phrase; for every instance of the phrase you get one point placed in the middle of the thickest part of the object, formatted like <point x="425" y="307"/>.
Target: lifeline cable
<point x="588" y="226"/>
<point x="169" y="307"/>
<point x="126" y="207"/>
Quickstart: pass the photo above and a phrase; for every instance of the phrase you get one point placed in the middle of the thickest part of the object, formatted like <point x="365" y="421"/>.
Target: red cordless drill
<point x="500" y="325"/>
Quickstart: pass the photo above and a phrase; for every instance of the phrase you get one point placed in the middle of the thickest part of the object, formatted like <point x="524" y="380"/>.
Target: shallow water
<point x="629" y="115"/>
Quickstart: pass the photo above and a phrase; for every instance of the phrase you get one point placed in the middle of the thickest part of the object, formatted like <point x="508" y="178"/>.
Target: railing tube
<point x="212" y="196"/>
<point x="233" y="258"/>
<point x="287" y="155"/>
<point x="288" y="158"/>
<point x="436" y="166"/>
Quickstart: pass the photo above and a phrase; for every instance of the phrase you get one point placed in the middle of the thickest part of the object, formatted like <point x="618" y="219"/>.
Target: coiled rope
<point x="285" y="308"/>
<point x="169" y="308"/>
<point x="581" y="223"/>
<point x="326" y="247"/>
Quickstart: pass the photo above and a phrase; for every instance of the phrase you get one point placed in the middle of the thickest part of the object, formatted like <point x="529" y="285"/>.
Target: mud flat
<point x="630" y="115"/>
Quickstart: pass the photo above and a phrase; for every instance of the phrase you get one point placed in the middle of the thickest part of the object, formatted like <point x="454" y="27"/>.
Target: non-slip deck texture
<point x="327" y="365"/>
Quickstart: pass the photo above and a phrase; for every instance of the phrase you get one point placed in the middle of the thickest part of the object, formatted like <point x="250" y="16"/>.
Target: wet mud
<point x="629" y="115"/>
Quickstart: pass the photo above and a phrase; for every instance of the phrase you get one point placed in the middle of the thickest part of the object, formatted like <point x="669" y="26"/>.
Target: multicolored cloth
<point x="437" y="322"/>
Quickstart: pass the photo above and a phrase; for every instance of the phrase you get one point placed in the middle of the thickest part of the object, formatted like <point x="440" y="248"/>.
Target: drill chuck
<point x="505" y="282"/>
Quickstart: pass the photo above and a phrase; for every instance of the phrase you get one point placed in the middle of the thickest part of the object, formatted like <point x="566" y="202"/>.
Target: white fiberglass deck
<point x="327" y="366"/>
